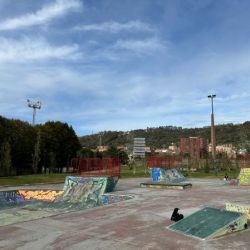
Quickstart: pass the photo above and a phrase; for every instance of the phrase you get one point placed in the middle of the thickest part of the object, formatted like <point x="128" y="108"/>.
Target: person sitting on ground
<point x="226" y="177"/>
<point x="176" y="216"/>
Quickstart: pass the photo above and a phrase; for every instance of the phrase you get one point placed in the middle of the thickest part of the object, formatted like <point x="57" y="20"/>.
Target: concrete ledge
<point x="166" y="186"/>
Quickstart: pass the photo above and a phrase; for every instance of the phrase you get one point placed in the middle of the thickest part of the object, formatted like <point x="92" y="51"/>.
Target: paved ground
<point x="139" y="223"/>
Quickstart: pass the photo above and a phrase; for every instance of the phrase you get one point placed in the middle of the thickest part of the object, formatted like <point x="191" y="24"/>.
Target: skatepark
<point x="141" y="222"/>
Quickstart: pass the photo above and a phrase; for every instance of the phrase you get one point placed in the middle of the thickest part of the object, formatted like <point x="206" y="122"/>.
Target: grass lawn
<point x="32" y="179"/>
<point x="134" y="172"/>
<point x="232" y="174"/>
<point x="126" y="173"/>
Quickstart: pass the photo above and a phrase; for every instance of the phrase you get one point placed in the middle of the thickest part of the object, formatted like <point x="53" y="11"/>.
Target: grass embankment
<point x="134" y="172"/>
<point x="201" y="174"/>
<point x="32" y="179"/>
<point x="127" y="172"/>
<point x="59" y="178"/>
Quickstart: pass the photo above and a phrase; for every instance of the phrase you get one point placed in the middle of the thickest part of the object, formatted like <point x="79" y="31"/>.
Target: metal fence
<point x="97" y="166"/>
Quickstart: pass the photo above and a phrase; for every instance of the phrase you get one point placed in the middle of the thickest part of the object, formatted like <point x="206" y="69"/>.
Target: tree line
<point x="160" y="137"/>
<point x="26" y="149"/>
<point x="112" y="152"/>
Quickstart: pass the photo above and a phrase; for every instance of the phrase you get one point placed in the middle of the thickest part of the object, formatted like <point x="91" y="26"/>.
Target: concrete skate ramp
<point x="166" y="176"/>
<point x="244" y="176"/>
<point x="78" y="193"/>
<point x="83" y="190"/>
<point x="210" y="223"/>
<point x="111" y="181"/>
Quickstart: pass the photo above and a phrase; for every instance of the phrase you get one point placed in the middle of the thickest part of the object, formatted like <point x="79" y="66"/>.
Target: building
<point x="147" y="150"/>
<point x="196" y="147"/>
<point x="161" y="150"/>
<point x="227" y="149"/>
<point x="122" y="148"/>
<point x="173" y="149"/>
<point x="102" y="148"/>
<point x="139" y="147"/>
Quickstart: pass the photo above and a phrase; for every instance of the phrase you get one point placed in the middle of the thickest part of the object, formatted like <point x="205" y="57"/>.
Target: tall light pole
<point x="212" y="127"/>
<point x="34" y="106"/>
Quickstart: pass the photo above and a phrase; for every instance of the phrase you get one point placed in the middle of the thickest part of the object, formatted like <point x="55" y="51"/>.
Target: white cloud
<point x="115" y="27"/>
<point x="28" y="49"/>
<point x="42" y="16"/>
<point x="140" y="46"/>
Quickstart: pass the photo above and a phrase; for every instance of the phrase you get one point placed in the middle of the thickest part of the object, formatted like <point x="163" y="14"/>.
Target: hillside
<point x="237" y="134"/>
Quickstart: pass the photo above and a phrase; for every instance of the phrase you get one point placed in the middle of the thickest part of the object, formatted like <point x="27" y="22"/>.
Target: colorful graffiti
<point x="78" y="193"/>
<point x="46" y="195"/>
<point x="110" y="199"/>
<point x="10" y="198"/>
<point x="166" y="175"/>
<point x="244" y="176"/>
<point x="238" y="208"/>
<point x="83" y="190"/>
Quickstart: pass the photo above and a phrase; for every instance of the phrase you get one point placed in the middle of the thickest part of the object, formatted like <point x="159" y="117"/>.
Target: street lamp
<point x="212" y="127"/>
<point x="35" y="106"/>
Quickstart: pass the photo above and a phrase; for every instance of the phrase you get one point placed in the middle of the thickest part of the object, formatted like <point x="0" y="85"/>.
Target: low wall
<point x="238" y="208"/>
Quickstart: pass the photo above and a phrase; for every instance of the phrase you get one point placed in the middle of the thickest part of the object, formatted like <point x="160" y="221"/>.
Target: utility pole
<point x="100" y="139"/>
<point x="213" y="130"/>
<point x="34" y="106"/>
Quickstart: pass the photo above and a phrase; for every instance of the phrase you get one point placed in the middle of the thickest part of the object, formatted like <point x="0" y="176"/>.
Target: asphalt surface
<point x="139" y="223"/>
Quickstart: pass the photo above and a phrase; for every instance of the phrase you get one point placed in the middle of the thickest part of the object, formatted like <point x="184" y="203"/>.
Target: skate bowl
<point x="209" y="223"/>
<point x="78" y="193"/>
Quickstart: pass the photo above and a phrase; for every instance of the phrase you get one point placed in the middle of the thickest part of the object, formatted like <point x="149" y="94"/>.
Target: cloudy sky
<point x="125" y="64"/>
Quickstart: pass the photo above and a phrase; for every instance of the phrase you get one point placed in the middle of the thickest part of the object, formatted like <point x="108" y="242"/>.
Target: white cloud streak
<point x="115" y="27"/>
<point x="140" y="46"/>
<point x="42" y="16"/>
<point x="27" y="49"/>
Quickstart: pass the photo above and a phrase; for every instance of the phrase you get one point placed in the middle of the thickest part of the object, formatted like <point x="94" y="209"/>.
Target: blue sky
<point x="125" y="64"/>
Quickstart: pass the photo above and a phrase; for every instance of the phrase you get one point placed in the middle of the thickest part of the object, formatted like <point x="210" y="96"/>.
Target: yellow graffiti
<point x="244" y="176"/>
<point x="238" y="208"/>
<point x="48" y="195"/>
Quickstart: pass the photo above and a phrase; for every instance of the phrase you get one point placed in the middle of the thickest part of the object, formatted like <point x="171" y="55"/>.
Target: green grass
<point x="134" y="172"/>
<point x="126" y="173"/>
<point x="32" y="179"/>
<point x="201" y="174"/>
<point x="59" y="178"/>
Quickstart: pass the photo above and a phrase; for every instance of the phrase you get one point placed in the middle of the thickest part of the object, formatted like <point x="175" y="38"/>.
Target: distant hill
<point x="237" y="134"/>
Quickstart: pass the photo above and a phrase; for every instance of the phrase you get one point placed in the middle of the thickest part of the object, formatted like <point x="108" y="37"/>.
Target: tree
<point x="37" y="151"/>
<point x="85" y="153"/>
<point x="5" y="156"/>
<point x="21" y="136"/>
<point x="59" y="144"/>
<point x="114" y="152"/>
<point x="123" y="157"/>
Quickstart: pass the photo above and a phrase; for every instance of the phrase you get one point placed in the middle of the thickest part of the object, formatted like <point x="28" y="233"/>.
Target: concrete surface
<point x="139" y="223"/>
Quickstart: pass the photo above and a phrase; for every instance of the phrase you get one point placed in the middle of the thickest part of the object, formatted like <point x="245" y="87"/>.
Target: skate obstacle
<point x="164" y="174"/>
<point x="209" y="223"/>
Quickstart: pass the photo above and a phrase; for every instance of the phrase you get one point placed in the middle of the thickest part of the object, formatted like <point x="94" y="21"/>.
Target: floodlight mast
<point x="34" y="106"/>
